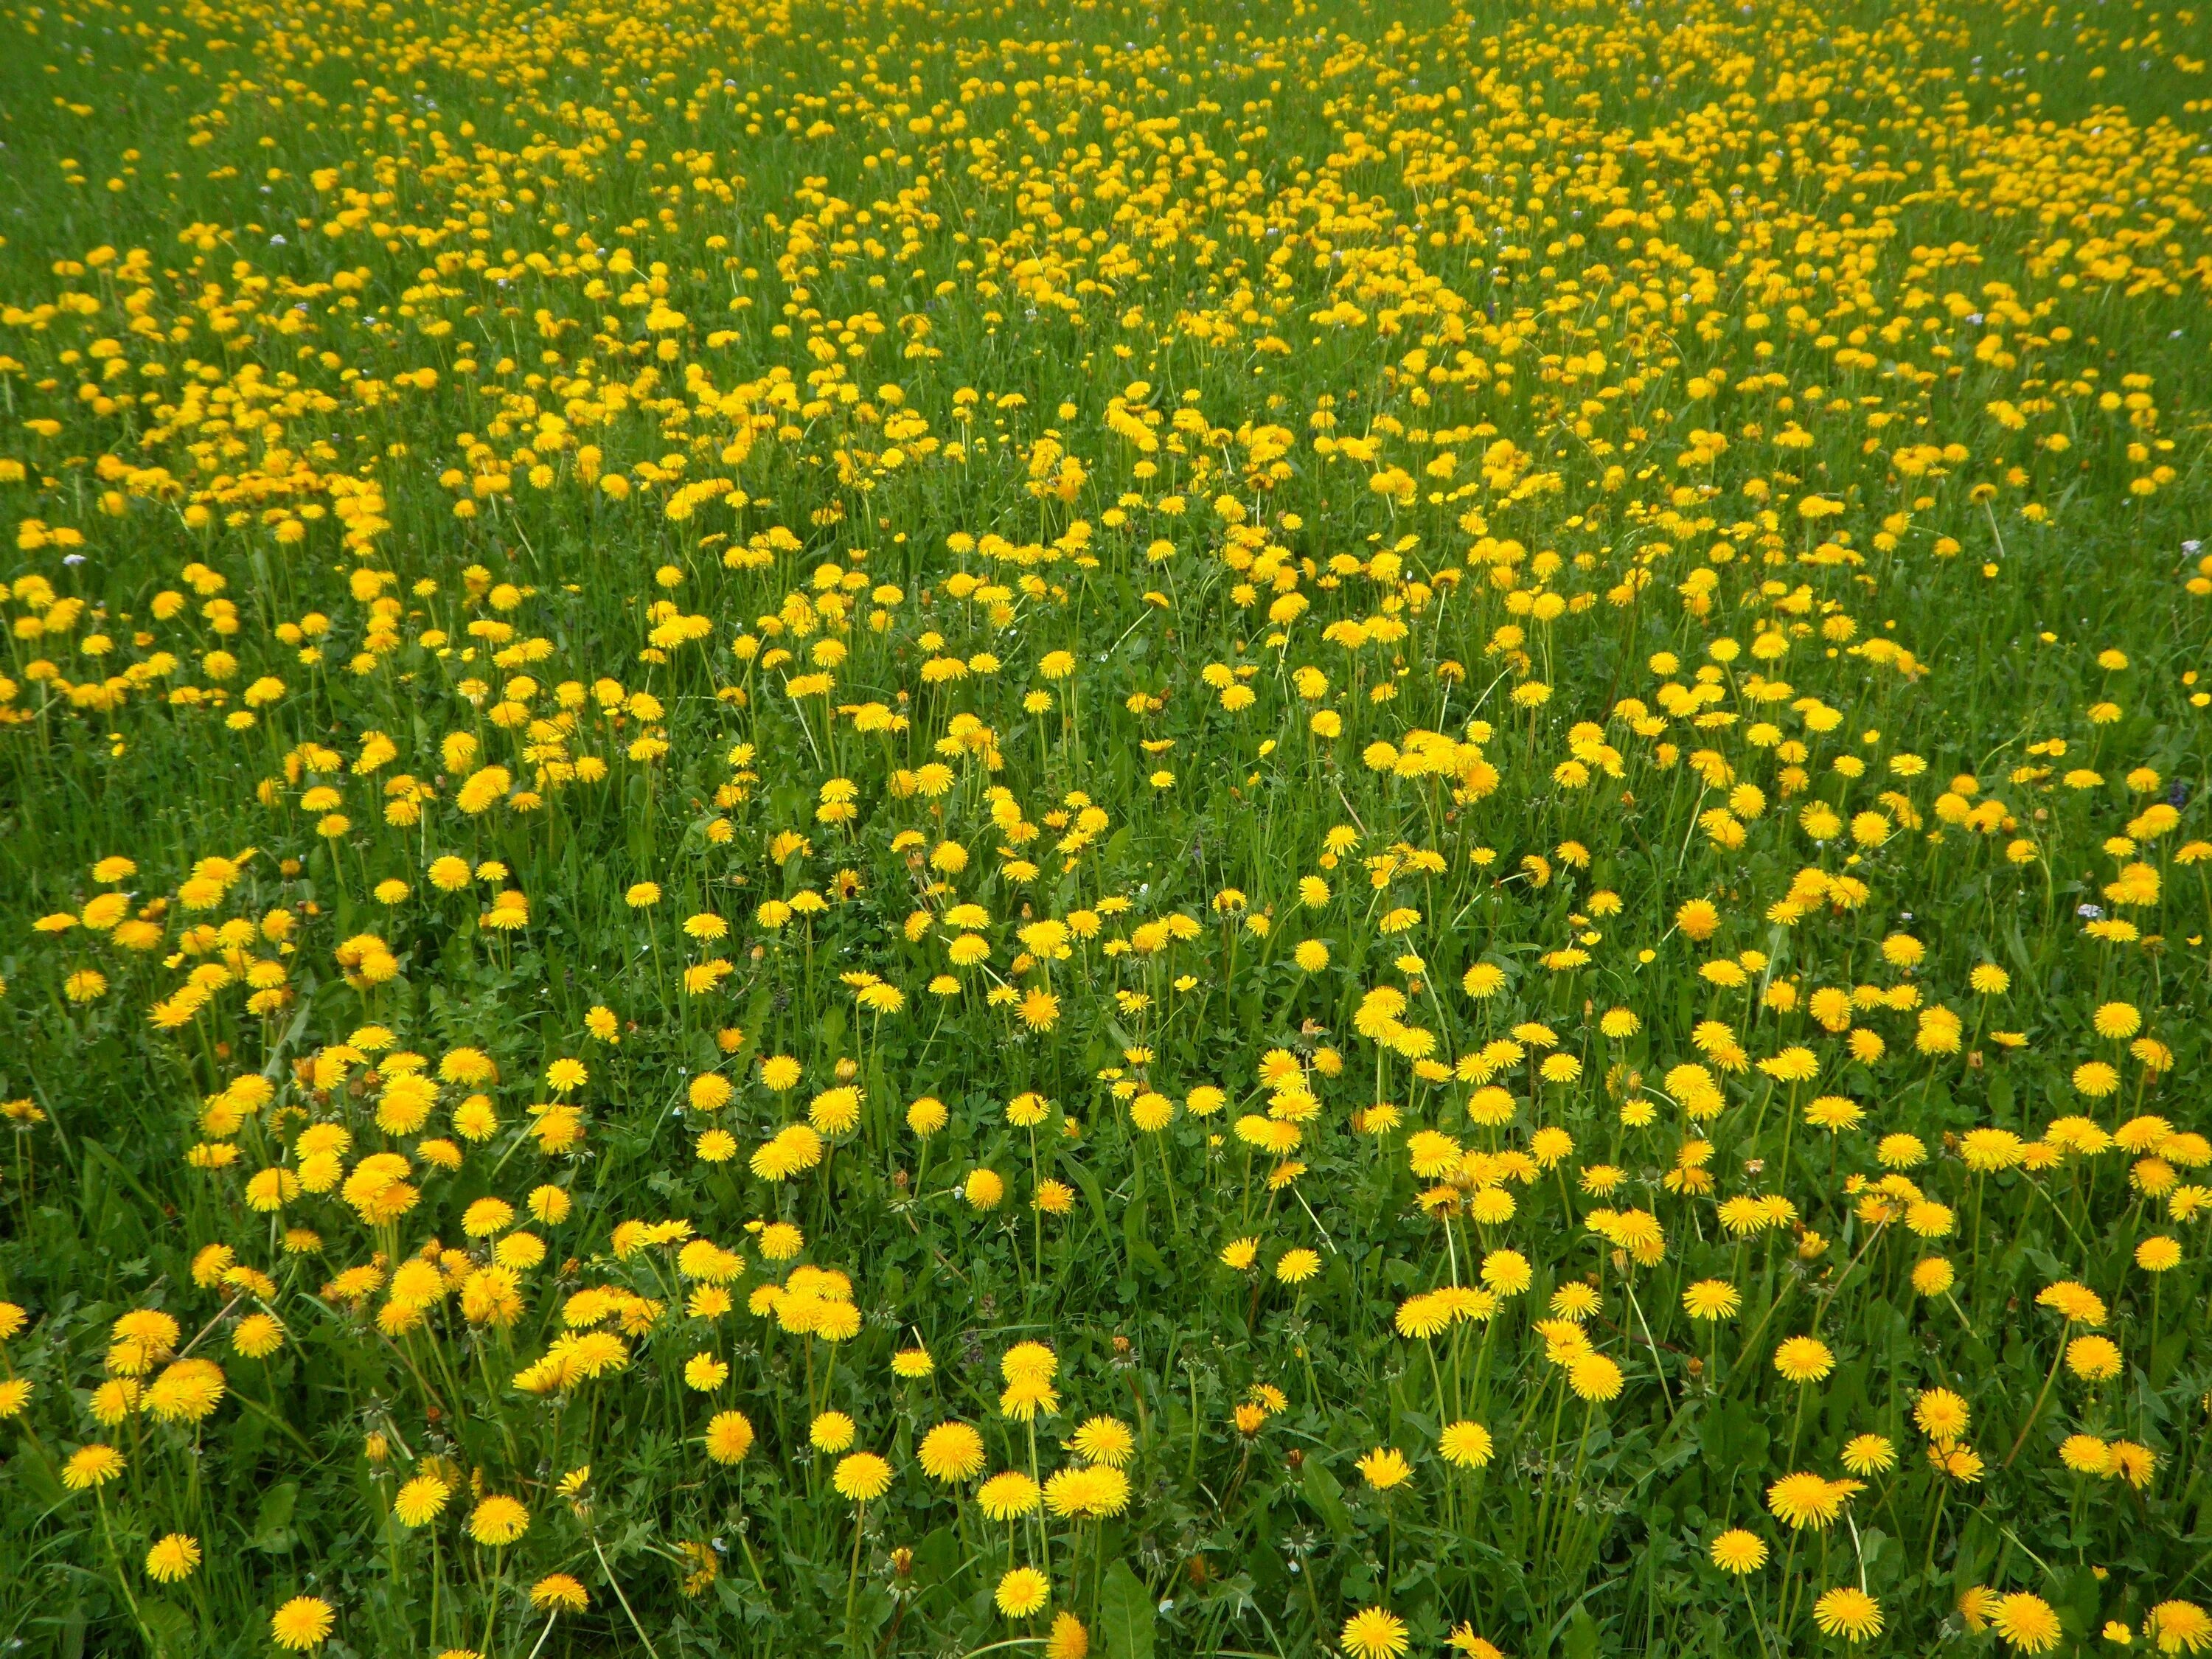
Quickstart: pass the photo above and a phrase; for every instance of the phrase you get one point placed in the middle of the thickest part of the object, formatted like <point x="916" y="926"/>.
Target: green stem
<point x="2036" y="1410"/>
<point x="121" y="1578"/>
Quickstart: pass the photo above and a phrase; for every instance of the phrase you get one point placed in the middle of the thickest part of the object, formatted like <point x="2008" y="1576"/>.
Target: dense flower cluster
<point x="931" y="827"/>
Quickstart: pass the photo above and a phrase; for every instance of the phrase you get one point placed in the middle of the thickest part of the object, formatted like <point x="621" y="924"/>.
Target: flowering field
<point x="921" y="829"/>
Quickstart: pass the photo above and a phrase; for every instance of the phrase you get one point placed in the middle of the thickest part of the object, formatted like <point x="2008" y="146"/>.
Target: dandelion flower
<point x="2077" y="1303"/>
<point x="2094" y="1358"/>
<point x="1933" y="1276"/>
<point x="1804" y="1500"/>
<point x="1067" y="1639"/>
<point x="559" y="1593"/>
<point x="729" y="1437"/>
<point x="1008" y="1497"/>
<point x="2158" y="1254"/>
<point x="1027" y="1396"/>
<point x="174" y="1558"/>
<point x="1941" y="1414"/>
<point x="1870" y="1454"/>
<point x="1804" y="1360"/>
<point x="1385" y="1468"/>
<point x="1593" y="1377"/>
<point x="1737" y="1551"/>
<point x="950" y="1452"/>
<point x="1106" y="1440"/>
<point x="704" y="1372"/>
<point x="2178" y="1627"/>
<point x="91" y="1467"/>
<point x="927" y="1116"/>
<point x="984" y="1190"/>
<point x="1465" y="1444"/>
<point x="1576" y="1301"/>
<point x="1373" y="1633"/>
<point x="2026" y="1621"/>
<point x="1711" y="1299"/>
<point x="863" y="1477"/>
<point x="302" y="1623"/>
<point x="498" y="1520"/>
<point x="1087" y="1491"/>
<point x="419" y="1502"/>
<point x="1029" y="1360"/>
<point x="1022" y="1591"/>
<point x="1849" y="1613"/>
<point x="1506" y="1273"/>
<point x="2085" y="1454"/>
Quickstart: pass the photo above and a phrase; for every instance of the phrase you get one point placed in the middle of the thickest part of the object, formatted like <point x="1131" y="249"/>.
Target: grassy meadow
<point x="1131" y="829"/>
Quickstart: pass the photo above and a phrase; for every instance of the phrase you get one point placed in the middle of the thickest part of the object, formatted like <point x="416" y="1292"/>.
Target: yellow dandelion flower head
<point x="1020" y="1592"/>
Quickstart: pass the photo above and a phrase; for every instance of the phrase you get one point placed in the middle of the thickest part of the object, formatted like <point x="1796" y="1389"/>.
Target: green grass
<point x="1448" y="378"/>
